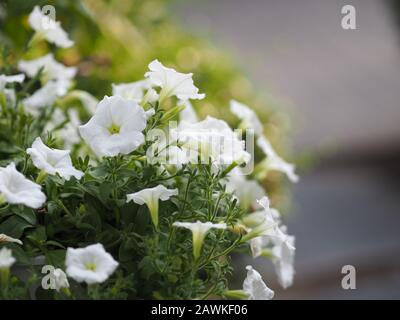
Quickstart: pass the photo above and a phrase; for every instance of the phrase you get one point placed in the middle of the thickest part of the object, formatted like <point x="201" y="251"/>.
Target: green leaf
<point x="14" y="226"/>
<point x="28" y="215"/>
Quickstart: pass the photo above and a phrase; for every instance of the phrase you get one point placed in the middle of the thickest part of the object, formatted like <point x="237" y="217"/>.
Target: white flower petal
<point x="132" y="90"/>
<point x="60" y="279"/>
<point x="255" y="287"/>
<point x="91" y="264"/>
<point x="51" y="30"/>
<point x="115" y="128"/>
<point x="53" y="161"/>
<point x="247" y="115"/>
<point x="210" y="138"/>
<point x="6" y="258"/>
<point x="150" y="195"/>
<point x="52" y="70"/>
<point x="172" y="83"/>
<point x="274" y="161"/>
<point x="5" y="238"/>
<point x="18" y="190"/>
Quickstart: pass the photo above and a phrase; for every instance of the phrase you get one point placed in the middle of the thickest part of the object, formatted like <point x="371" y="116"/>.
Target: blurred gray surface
<point x="342" y="88"/>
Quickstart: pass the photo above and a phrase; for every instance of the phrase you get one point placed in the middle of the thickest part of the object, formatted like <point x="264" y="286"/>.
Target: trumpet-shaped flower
<point x="7" y="239"/>
<point x="283" y="252"/>
<point x="53" y="161"/>
<point x="199" y="232"/>
<point x="172" y="83"/>
<point x="255" y="287"/>
<point x="91" y="264"/>
<point x="115" y="128"/>
<point x="249" y="118"/>
<point x="16" y="189"/>
<point x="274" y="161"/>
<point x="52" y="70"/>
<point x="151" y="197"/>
<point x="210" y="139"/>
<point x="10" y="79"/>
<point x="49" y="29"/>
<point x="132" y="90"/>
<point x="60" y="279"/>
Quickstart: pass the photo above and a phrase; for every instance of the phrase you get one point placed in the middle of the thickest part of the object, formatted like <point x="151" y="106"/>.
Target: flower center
<point x="114" y="129"/>
<point x="90" y="266"/>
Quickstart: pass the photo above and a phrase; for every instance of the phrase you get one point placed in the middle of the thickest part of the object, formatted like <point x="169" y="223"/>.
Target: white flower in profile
<point x="91" y="264"/>
<point x="7" y="239"/>
<point x="43" y="97"/>
<point x="212" y="139"/>
<point x="249" y="118"/>
<point x="131" y="90"/>
<point x="115" y="128"/>
<point x="16" y="189"/>
<point x="255" y="287"/>
<point x="49" y="29"/>
<point x="151" y="197"/>
<point x="199" y="232"/>
<point x="6" y="258"/>
<point x="283" y="252"/>
<point x="172" y="83"/>
<point x="53" y="161"/>
<point x="274" y="161"/>
<point x="246" y="191"/>
<point x="4" y="80"/>
<point x="60" y="279"/>
<point x="52" y="70"/>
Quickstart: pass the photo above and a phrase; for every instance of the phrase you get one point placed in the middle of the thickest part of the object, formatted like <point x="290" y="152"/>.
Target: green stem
<point x="40" y="178"/>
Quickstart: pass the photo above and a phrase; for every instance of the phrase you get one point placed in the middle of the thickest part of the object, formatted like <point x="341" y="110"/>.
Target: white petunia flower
<point x="283" y="253"/>
<point x="6" y="258"/>
<point x="246" y="191"/>
<point x="52" y="70"/>
<point x="249" y="118"/>
<point x="255" y="287"/>
<point x="53" y="161"/>
<point x="199" y="232"/>
<point x="43" y="97"/>
<point x="172" y="83"/>
<point x="91" y="264"/>
<point x="115" y="128"/>
<point x="132" y="90"/>
<point x="10" y="79"/>
<point x="60" y="279"/>
<point x="210" y="139"/>
<point x="49" y="29"/>
<point x="274" y="161"/>
<point x="16" y="189"/>
<point x="7" y="239"/>
<point x="151" y="197"/>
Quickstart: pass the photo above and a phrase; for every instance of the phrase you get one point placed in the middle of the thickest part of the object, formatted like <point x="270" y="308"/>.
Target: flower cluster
<point x="136" y="206"/>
